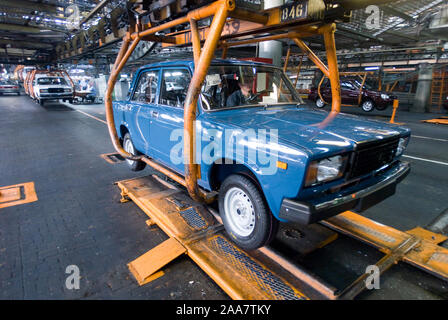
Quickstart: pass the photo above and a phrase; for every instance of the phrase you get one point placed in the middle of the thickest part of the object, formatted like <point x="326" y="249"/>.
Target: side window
<point x="174" y="88"/>
<point x="146" y="89"/>
<point x="347" y="85"/>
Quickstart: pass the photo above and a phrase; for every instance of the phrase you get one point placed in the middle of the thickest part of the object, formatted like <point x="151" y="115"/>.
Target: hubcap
<point x="367" y="106"/>
<point x="129" y="148"/>
<point x="319" y="103"/>
<point x="239" y="211"/>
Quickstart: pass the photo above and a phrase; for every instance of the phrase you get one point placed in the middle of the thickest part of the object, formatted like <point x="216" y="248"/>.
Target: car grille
<point x="56" y="90"/>
<point x="371" y="156"/>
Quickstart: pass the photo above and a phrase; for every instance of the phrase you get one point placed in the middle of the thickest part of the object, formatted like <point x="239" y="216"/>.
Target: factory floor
<point x="79" y="220"/>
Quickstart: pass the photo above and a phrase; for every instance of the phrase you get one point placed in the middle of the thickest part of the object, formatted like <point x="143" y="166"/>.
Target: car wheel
<point x="18" y="93"/>
<point x="245" y="214"/>
<point x="319" y="103"/>
<point x="41" y="102"/>
<point x="381" y="107"/>
<point x="128" y="146"/>
<point x="367" y="105"/>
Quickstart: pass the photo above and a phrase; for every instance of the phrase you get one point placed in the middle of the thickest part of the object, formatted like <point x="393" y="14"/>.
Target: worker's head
<point x="246" y="84"/>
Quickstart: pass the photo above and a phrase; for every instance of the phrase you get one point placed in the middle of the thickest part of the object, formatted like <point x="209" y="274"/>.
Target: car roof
<point x="190" y="63"/>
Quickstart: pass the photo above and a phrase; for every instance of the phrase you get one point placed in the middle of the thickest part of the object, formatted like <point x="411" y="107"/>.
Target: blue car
<point x="269" y="157"/>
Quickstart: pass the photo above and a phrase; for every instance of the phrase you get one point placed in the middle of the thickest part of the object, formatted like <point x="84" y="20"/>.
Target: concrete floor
<point x="78" y="218"/>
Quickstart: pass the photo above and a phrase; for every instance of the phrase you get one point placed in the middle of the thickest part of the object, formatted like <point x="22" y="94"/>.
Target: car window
<point x="47" y="81"/>
<point x="347" y="85"/>
<point x="146" y="89"/>
<point x="174" y="87"/>
<point x="232" y="85"/>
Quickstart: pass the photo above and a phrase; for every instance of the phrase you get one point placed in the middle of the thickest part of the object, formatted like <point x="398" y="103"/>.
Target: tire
<point x="18" y="93"/>
<point x="381" y="107"/>
<point x="319" y="103"/>
<point x="239" y="197"/>
<point x="70" y="101"/>
<point x="41" y="102"/>
<point x="128" y="146"/>
<point x="367" y="105"/>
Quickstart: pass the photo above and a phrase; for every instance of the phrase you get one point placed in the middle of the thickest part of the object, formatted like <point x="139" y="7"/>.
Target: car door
<point x="140" y="106"/>
<point x="325" y="90"/>
<point x="168" y="118"/>
<point x="349" y="93"/>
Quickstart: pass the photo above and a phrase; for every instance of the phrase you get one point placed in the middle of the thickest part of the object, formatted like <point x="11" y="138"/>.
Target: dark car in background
<point x="350" y="94"/>
<point x="9" y="87"/>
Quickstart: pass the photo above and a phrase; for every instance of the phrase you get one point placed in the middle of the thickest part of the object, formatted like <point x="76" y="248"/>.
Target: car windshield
<point x="45" y="81"/>
<point x="232" y="86"/>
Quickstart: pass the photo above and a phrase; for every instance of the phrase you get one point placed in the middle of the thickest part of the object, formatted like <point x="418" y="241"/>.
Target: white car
<point x="51" y="88"/>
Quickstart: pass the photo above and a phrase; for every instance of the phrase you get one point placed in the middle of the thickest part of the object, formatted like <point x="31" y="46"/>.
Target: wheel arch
<point x="222" y="168"/>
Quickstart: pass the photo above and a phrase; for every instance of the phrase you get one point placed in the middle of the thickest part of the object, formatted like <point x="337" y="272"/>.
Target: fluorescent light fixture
<point x="371" y="68"/>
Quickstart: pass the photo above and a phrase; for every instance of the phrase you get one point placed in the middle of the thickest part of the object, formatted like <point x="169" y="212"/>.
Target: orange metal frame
<point x="270" y="22"/>
<point x="18" y="72"/>
<point x="28" y="83"/>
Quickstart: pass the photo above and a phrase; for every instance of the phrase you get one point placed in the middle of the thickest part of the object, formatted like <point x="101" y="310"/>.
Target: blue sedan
<point x="270" y="157"/>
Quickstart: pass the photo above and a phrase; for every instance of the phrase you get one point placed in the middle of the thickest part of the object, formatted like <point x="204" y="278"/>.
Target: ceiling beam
<point x="95" y="10"/>
<point x="28" y="29"/>
<point x="359" y="4"/>
<point x="32" y="6"/>
<point x="393" y="12"/>
<point x="25" y="44"/>
<point x="19" y="28"/>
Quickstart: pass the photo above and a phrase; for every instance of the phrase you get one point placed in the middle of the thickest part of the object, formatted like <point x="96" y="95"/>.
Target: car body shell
<point x="300" y="140"/>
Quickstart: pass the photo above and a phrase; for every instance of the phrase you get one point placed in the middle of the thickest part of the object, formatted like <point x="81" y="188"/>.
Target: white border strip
<point x="427" y="160"/>
<point x="429" y="138"/>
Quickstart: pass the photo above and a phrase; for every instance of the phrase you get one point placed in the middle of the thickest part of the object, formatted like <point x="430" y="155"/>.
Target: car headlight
<point x="326" y="170"/>
<point x="43" y="90"/>
<point x="384" y="96"/>
<point x="402" y="144"/>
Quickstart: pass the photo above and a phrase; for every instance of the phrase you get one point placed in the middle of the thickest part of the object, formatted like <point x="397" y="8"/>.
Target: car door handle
<point x="155" y="114"/>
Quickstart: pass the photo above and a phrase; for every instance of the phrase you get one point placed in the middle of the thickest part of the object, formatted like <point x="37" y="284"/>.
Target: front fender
<point x="262" y="161"/>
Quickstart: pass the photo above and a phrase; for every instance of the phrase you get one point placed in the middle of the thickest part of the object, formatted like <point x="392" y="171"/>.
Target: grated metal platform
<point x="263" y="274"/>
<point x="240" y="274"/>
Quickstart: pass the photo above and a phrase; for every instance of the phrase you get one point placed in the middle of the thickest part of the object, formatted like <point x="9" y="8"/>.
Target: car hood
<point x="310" y="129"/>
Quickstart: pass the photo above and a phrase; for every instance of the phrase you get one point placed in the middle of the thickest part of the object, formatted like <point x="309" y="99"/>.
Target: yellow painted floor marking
<point x="12" y="195"/>
<point x="93" y="117"/>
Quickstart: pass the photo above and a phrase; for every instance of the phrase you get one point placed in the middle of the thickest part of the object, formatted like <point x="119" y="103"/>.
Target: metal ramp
<point x="263" y="274"/>
<point x="194" y="231"/>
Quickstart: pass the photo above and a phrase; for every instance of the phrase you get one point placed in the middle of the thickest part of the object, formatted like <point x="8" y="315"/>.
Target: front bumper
<point x="54" y="96"/>
<point x="3" y="91"/>
<point x="308" y="212"/>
